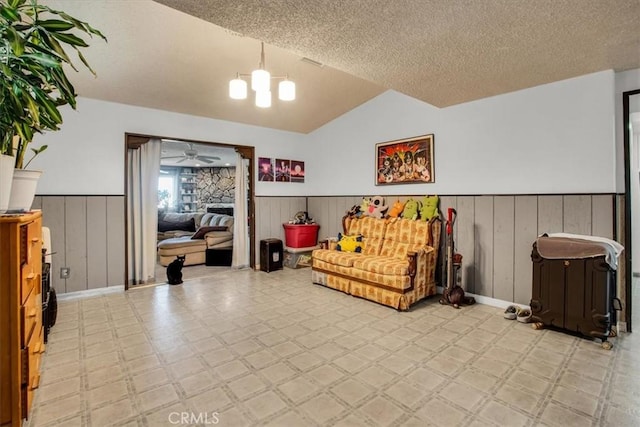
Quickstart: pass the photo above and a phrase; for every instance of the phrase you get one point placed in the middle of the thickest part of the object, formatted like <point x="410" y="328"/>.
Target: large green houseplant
<point x="33" y="38"/>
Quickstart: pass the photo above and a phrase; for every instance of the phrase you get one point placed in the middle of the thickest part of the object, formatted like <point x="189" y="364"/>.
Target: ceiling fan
<point x="192" y="154"/>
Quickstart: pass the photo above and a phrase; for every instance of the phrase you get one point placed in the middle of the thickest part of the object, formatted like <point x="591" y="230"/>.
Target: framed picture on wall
<point x="265" y="169"/>
<point x="283" y="167"/>
<point x="297" y="171"/>
<point x="405" y="161"/>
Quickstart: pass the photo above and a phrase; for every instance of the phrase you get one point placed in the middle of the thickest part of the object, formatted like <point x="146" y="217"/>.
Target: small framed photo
<point x="265" y="169"/>
<point x="405" y="161"/>
<point x="283" y="168"/>
<point x="297" y="171"/>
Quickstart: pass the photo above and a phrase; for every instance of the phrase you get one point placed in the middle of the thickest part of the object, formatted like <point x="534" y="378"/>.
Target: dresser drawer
<point x="31" y="241"/>
<point x="30" y="316"/>
<point x="29" y="280"/>
<point x="31" y="370"/>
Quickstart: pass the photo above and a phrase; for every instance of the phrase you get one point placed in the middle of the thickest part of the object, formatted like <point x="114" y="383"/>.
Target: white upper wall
<point x="87" y="155"/>
<point x="555" y="138"/>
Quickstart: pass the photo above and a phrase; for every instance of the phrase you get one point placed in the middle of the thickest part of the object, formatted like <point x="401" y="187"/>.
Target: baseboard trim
<point x="68" y="296"/>
<point x="493" y="302"/>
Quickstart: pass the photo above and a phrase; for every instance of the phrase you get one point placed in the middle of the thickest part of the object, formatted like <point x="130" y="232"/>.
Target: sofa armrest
<point x="412" y="257"/>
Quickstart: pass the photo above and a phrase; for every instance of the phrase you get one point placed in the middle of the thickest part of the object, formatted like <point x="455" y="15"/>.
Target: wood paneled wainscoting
<point x="87" y="235"/>
<point x="495" y="233"/>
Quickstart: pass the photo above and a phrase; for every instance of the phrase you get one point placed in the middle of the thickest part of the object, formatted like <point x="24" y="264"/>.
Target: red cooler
<point x="300" y="235"/>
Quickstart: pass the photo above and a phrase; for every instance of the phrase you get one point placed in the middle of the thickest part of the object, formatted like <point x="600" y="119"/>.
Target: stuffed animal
<point x="355" y="211"/>
<point x="364" y="206"/>
<point x="301" y="217"/>
<point x="396" y="209"/>
<point x="411" y="209"/>
<point x="429" y="208"/>
<point x="349" y="243"/>
<point x="376" y="208"/>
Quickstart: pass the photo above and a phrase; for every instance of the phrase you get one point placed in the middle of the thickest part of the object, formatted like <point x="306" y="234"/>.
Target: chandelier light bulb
<point x="238" y="89"/>
<point x="286" y="90"/>
<point x="263" y="99"/>
<point x="261" y="80"/>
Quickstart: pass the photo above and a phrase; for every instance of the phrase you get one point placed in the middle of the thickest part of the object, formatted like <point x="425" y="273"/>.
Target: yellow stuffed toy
<point x="429" y="208"/>
<point x="349" y="243"/>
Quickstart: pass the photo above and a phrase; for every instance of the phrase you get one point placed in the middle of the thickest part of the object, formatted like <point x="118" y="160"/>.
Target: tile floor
<point x="251" y="348"/>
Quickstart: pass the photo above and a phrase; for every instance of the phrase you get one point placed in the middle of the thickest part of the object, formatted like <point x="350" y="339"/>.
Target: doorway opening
<point x="178" y="189"/>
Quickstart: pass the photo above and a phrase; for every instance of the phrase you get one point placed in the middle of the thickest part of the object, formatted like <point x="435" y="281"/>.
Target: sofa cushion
<point x="331" y="268"/>
<point x="400" y="250"/>
<point x="382" y="265"/>
<point x="179" y="217"/>
<point x="344" y="259"/>
<point x="408" y="231"/>
<point x="372" y="245"/>
<point x="391" y="281"/>
<point x="200" y="233"/>
<point x="367" y="226"/>
<point x="181" y="246"/>
<point x="213" y="219"/>
<point x="218" y="237"/>
<point x="188" y="225"/>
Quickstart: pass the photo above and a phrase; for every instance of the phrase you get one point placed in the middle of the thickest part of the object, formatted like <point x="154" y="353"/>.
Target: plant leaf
<point x="46" y="60"/>
<point x="10" y="13"/>
<point x="70" y="39"/>
<point x="86" y="64"/>
<point x="15" y="3"/>
<point x="17" y="42"/>
<point x="55" y="25"/>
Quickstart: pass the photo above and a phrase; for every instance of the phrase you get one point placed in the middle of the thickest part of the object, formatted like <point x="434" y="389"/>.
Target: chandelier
<point x="261" y="85"/>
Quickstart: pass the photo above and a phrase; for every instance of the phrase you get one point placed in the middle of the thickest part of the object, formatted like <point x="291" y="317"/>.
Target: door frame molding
<point x="627" y="205"/>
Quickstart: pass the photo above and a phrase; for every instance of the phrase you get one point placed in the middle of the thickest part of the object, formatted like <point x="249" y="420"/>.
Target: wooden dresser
<point x="21" y="343"/>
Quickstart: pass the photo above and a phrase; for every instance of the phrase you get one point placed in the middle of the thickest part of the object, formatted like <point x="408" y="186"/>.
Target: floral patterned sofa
<point x="396" y="265"/>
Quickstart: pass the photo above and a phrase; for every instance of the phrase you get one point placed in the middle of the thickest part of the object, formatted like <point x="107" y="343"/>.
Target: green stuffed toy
<point x="429" y="208"/>
<point x="411" y="209"/>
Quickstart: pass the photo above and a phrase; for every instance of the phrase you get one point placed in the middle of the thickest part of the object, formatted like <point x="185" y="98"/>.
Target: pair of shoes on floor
<point x="524" y="315"/>
<point x="511" y="313"/>
<point x="514" y="312"/>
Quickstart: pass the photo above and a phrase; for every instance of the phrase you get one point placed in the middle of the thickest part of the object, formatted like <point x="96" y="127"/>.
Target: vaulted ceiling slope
<point x="163" y="54"/>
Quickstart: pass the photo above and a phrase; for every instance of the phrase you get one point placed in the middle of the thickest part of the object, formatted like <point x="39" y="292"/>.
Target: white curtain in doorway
<point x="142" y="211"/>
<point x="240" y="258"/>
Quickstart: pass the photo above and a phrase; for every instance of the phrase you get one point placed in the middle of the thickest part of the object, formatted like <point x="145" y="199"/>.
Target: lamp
<point x="261" y="85"/>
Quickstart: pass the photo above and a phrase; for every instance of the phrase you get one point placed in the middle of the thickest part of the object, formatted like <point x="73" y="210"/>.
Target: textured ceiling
<point x="161" y="58"/>
<point x="443" y="52"/>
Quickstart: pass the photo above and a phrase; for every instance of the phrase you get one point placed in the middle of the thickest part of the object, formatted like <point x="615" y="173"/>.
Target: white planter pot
<point x="6" y="175"/>
<point x="23" y="189"/>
